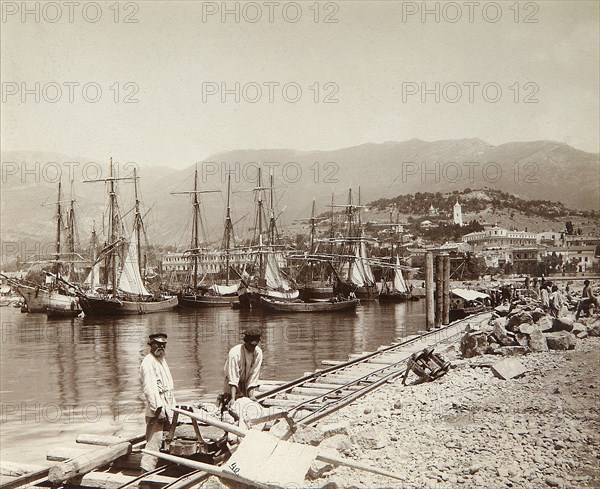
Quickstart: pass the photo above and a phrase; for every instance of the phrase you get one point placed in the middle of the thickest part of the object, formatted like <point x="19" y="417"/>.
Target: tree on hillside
<point x="569" y="227"/>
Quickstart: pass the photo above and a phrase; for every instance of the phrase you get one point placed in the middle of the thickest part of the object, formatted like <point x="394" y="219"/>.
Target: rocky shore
<point x="473" y="427"/>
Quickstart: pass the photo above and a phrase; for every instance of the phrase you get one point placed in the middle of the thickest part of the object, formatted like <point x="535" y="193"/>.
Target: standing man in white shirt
<point x="160" y="400"/>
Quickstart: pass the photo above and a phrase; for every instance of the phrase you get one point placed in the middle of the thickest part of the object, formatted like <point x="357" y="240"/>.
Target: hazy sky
<point x="372" y="61"/>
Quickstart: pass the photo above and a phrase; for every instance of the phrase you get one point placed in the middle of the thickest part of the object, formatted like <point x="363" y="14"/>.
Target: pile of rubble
<point x="524" y="327"/>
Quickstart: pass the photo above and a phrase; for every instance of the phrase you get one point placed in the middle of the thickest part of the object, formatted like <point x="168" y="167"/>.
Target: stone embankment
<point x="531" y="422"/>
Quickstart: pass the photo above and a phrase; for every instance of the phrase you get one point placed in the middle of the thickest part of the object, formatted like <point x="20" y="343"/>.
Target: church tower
<point x="458" y="214"/>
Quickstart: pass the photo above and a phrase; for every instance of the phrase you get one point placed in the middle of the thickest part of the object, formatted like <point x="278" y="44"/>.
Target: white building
<point x="458" y="214"/>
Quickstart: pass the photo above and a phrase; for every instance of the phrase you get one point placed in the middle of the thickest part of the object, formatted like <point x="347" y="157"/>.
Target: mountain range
<point x="544" y="170"/>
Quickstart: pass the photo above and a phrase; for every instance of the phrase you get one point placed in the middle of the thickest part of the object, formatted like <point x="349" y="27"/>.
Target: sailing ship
<point x="397" y="290"/>
<point x="267" y="280"/>
<point x="317" y="270"/>
<point x="53" y="296"/>
<point x="355" y="277"/>
<point x="125" y="292"/>
<point x="214" y="294"/>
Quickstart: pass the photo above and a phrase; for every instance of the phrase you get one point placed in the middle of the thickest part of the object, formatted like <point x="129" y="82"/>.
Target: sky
<point x="155" y="82"/>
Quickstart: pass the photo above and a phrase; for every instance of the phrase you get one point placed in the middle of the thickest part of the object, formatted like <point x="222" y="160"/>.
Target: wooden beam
<point x="106" y="440"/>
<point x="87" y="462"/>
<point x="429" y="302"/>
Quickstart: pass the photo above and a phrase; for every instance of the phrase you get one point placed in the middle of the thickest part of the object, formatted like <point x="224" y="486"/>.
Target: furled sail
<point x="130" y="280"/>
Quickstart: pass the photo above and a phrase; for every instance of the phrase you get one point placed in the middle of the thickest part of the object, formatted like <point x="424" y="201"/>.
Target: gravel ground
<point x="471" y="429"/>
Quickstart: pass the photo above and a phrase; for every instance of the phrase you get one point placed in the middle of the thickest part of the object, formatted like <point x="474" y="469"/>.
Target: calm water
<point x="60" y="378"/>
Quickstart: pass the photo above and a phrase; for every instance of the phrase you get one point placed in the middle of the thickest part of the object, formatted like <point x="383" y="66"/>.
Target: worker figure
<point x="242" y="368"/>
<point x="158" y="390"/>
<point x="556" y="302"/>
<point x="587" y="300"/>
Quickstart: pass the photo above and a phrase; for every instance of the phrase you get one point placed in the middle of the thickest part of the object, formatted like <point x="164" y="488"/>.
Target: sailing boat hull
<point x="39" y="299"/>
<point x="365" y="293"/>
<point x="304" y="307"/>
<point x="316" y="292"/>
<point x="201" y="301"/>
<point x="251" y="295"/>
<point x="397" y="297"/>
<point x="99" y="306"/>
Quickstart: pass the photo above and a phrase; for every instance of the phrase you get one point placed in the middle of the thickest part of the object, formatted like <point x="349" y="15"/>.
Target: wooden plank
<point x="251" y="458"/>
<point x="17" y="469"/>
<point x="289" y="463"/>
<point x="130" y="462"/>
<point x="87" y="462"/>
<point x="27" y="479"/>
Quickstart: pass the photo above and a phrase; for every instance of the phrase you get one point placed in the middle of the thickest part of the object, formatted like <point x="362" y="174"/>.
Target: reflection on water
<point x="59" y="378"/>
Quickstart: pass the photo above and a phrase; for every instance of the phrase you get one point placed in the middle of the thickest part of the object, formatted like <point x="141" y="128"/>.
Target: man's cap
<point x="252" y="334"/>
<point x="158" y="338"/>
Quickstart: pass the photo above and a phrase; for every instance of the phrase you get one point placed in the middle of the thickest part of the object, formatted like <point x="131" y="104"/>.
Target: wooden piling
<point x="446" y="305"/>
<point x="429" y="302"/>
<point x="439" y="288"/>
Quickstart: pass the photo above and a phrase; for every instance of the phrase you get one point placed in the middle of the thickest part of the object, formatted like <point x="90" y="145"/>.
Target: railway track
<point x="316" y="395"/>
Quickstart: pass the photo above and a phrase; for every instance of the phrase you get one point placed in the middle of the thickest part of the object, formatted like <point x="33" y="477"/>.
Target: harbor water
<point x="61" y="378"/>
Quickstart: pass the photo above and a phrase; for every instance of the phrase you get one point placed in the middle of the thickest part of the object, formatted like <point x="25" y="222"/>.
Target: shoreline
<point x="471" y="429"/>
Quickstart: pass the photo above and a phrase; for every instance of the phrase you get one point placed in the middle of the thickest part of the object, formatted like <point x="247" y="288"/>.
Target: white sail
<point x="357" y="275"/>
<point x="273" y="275"/>
<point x="365" y="263"/>
<point x="93" y="278"/>
<point x="225" y="289"/>
<point x="399" y="282"/>
<point x="130" y="280"/>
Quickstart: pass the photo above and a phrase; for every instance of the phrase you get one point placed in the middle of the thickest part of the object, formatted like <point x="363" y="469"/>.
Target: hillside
<point x="476" y="201"/>
<point x="539" y="170"/>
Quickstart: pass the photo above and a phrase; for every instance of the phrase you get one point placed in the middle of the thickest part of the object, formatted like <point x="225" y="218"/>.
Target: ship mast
<point x="71" y="233"/>
<point x="58" y="229"/>
<point x="228" y="230"/>
<point x="195" y="243"/>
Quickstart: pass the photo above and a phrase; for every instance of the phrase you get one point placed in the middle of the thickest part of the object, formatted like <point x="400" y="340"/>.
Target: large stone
<point x="342" y="443"/>
<point x="537" y="342"/>
<point x="500" y="332"/>
<point x="369" y="437"/>
<point x="545" y="323"/>
<point x="561" y="340"/>
<point x="537" y="314"/>
<point x="502" y="310"/>
<point x="527" y="328"/>
<point x="512" y="351"/>
<point x="594" y="327"/>
<point x="508" y="368"/>
<point x="563" y="324"/>
<point x="579" y="328"/>
<point x="473" y="343"/>
<point x="308" y="435"/>
<point x="517" y="319"/>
